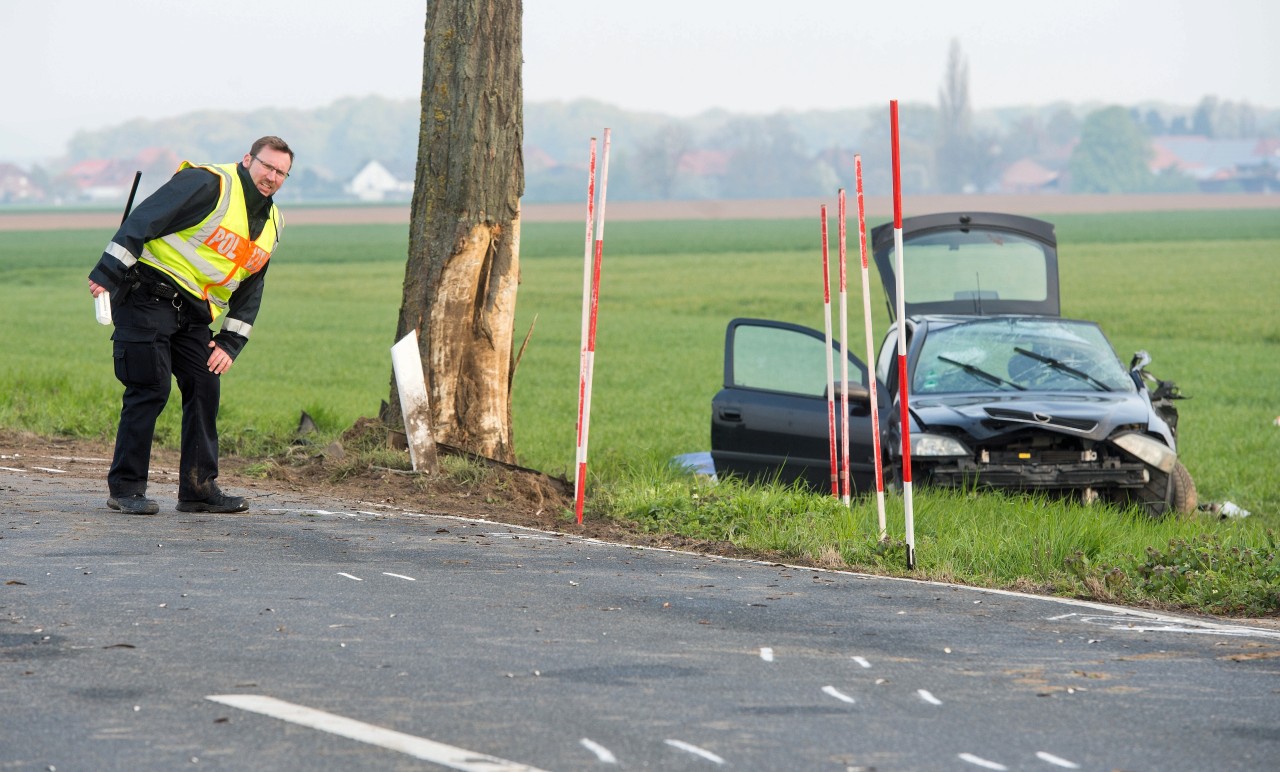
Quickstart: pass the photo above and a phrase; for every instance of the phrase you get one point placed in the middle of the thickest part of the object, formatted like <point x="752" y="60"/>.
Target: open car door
<point x="770" y="419"/>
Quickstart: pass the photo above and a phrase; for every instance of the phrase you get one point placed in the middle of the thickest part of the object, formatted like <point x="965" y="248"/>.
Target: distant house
<point x="375" y="183"/>
<point x="17" y="186"/>
<point x="1220" y="164"/>
<point x="109" y="180"/>
<point x="1027" y="176"/>
<point x="98" y="179"/>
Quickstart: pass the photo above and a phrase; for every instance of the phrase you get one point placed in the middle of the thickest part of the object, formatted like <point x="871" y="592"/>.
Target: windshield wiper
<point x="1064" y="367"/>
<point x="981" y="374"/>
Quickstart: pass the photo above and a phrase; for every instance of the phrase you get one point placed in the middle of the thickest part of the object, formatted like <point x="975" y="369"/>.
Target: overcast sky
<point x="85" y="64"/>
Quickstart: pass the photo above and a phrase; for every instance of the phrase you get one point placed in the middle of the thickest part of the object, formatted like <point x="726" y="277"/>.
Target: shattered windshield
<point x="1018" y="354"/>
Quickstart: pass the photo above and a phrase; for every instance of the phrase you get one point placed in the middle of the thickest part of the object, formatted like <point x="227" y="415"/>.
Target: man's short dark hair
<point x="273" y="142"/>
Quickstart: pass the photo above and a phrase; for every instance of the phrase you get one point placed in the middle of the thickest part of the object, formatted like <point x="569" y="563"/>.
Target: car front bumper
<point x="1034" y="476"/>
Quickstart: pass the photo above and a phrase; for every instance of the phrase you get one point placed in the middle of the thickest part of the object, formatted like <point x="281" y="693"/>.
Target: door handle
<point x="731" y="415"/>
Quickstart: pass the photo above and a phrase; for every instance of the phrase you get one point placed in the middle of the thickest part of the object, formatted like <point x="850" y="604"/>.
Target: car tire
<point x="1167" y="494"/>
<point x="1182" y="491"/>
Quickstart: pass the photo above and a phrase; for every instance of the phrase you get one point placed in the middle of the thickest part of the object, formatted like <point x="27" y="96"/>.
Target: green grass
<point x="1022" y="542"/>
<point x="1195" y="289"/>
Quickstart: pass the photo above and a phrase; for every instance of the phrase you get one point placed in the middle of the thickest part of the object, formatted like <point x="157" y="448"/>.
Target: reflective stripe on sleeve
<point x="120" y="253"/>
<point x="238" y="327"/>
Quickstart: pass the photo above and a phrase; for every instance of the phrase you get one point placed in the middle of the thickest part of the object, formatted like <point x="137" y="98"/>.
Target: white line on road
<point x="49" y="469"/>
<point x="313" y="512"/>
<point x="862" y="661"/>
<point x="1057" y="761"/>
<point x="695" y="750"/>
<point x="417" y="747"/>
<point x="981" y="762"/>
<point x="602" y="753"/>
<point x="400" y="576"/>
<point x="349" y="576"/>
<point x="766" y="653"/>
<point x="839" y="695"/>
<point x="508" y="535"/>
<point x="928" y="697"/>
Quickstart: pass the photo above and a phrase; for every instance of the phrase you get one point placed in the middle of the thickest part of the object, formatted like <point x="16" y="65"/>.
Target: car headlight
<point x="1151" y="452"/>
<point x="937" y="445"/>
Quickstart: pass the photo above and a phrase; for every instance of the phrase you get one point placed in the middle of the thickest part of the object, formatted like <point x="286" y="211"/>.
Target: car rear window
<point x="977" y="265"/>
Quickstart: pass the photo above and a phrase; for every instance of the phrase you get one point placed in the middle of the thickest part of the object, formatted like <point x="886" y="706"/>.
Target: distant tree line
<point x="946" y="148"/>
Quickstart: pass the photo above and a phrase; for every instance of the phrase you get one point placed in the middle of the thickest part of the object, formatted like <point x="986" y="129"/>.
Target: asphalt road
<point x="308" y="634"/>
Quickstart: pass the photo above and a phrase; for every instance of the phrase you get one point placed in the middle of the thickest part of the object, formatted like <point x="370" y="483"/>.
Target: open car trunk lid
<point x="971" y="263"/>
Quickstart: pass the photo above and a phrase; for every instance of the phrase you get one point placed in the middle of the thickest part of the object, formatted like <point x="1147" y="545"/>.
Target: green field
<point x="1196" y="289"/>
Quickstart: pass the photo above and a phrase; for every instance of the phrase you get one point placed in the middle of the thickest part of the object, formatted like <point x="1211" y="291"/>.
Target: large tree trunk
<point x="464" y="239"/>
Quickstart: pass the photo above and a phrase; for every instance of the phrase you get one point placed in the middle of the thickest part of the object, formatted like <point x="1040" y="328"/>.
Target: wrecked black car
<point x="1003" y="391"/>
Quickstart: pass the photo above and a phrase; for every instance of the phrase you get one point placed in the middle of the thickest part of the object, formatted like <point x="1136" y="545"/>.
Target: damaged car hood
<point x="1095" y="416"/>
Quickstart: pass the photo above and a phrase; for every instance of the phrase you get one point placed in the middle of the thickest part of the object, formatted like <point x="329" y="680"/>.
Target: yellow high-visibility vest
<point x="210" y="259"/>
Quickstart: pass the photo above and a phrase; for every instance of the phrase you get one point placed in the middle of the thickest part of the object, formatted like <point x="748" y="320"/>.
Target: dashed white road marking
<point x="695" y="750"/>
<point x="49" y="469"/>
<point x="349" y="576"/>
<point x="602" y="753"/>
<point x="928" y="697"/>
<point x="862" y="661"/>
<point x="417" y="747"/>
<point x="839" y="695"/>
<point x="1057" y="761"/>
<point x="11" y="469"/>
<point x="766" y="653"/>
<point x="978" y="761"/>
<point x="399" y="576"/>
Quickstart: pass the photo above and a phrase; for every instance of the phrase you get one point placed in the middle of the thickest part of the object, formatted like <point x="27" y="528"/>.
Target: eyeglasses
<point x="279" y="172"/>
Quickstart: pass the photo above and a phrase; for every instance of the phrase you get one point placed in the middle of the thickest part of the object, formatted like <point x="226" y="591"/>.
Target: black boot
<point x="133" y="505"/>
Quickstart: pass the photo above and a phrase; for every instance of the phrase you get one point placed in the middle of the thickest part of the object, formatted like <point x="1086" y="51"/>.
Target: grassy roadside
<point x="1195" y="289"/>
<point x="1007" y="541"/>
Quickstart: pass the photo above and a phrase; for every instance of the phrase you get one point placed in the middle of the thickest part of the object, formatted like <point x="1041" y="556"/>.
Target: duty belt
<point x="161" y="291"/>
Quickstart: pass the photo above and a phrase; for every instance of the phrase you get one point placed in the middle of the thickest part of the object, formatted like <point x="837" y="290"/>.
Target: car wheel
<point x="1182" y="491"/>
<point x="1168" y="493"/>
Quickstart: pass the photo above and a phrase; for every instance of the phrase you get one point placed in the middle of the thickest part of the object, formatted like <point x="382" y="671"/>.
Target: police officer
<point x="194" y="251"/>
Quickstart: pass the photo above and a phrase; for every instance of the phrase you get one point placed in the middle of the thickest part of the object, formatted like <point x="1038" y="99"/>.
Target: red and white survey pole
<point x="831" y="386"/>
<point x="590" y="306"/>
<point x="845" y="483"/>
<point x="904" y="406"/>
<point x="871" y="355"/>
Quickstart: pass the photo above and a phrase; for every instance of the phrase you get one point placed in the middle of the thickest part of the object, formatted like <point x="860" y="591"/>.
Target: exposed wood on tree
<point x="464" y="241"/>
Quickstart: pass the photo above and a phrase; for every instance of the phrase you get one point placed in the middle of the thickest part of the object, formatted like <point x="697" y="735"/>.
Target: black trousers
<point x="154" y="341"/>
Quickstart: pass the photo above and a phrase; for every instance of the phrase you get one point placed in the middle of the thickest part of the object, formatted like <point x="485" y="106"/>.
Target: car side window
<point x="887" y="360"/>
<point x="888" y="354"/>
<point x="775" y="359"/>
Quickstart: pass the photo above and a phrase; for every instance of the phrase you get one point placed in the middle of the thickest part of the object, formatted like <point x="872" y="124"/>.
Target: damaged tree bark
<point x="464" y="238"/>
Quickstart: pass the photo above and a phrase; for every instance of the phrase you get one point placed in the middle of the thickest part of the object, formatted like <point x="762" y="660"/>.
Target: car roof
<point x="971" y="264"/>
